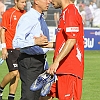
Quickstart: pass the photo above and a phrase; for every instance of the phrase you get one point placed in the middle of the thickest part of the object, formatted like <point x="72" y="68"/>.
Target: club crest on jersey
<point x="72" y="29"/>
<point x="58" y="29"/>
<point x="14" y="17"/>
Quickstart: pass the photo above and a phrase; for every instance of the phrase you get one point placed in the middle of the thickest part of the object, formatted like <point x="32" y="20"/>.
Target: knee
<point x="18" y="75"/>
<point x="15" y="73"/>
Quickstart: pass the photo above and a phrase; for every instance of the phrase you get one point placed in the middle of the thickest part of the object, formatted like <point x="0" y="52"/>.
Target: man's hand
<point x="49" y="45"/>
<point x="42" y="40"/>
<point x="52" y="69"/>
<point x="4" y="53"/>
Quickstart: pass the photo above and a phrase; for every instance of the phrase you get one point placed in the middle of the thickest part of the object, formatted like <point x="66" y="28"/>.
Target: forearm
<point x="66" y="49"/>
<point x="23" y="42"/>
<point x="3" y="35"/>
<point x="3" y="41"/>
<point x="20" y="43"/>
<point x="49" y="45"/>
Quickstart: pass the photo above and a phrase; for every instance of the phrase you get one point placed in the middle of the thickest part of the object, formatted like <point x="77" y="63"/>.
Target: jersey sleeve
<point x="71" y="26"/>
<point x="5" y="20"/>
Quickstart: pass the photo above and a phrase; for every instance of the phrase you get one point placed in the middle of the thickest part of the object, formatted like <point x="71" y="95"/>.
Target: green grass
<point x="91" y="82"/>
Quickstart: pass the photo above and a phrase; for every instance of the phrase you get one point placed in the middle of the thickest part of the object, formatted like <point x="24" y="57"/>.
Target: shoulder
<point x="71" y="10"/>
<point x="9" y="11"/>
<point x="27" y="19"/>
<point x="30" y="16"/>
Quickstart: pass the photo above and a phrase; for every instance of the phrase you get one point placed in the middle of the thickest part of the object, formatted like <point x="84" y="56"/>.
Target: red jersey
<point x="9" y="22"/>
<point x="70" y="27"/>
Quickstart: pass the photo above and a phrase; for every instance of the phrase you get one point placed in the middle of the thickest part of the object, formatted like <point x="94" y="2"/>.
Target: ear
<point x="36" y="1"/>
<point x="15" y="1"/>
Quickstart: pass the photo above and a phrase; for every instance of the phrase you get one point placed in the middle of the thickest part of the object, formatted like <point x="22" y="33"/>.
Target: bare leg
<point x="14" y="84"/>
<point x="8" y="78"/>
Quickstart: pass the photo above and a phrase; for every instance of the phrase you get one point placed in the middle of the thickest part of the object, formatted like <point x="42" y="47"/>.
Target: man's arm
<point x="64" y="52"/>
<point x="66" y="49"/>
<point x="3" y="30"/>
<point x="49" y="45"/>
<point x="42" y="40"/>
<point x="4" y="50"/>
<point x="23" y="37"/>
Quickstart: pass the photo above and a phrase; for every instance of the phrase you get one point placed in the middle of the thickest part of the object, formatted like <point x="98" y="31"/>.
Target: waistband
<point x="35" y="56"/>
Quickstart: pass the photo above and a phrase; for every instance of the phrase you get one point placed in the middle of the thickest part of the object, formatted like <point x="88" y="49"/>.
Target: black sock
<point x="1" y="90"/>
<point x="11" y="96"/>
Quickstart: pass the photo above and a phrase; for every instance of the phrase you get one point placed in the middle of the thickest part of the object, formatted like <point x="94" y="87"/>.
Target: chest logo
<point x="14" y="16"/>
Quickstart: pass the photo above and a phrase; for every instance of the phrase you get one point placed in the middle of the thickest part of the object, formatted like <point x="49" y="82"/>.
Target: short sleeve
<point x="71" y="26"/>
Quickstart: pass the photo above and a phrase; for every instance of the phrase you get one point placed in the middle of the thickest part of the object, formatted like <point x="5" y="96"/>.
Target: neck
<point x="65" y="3"/>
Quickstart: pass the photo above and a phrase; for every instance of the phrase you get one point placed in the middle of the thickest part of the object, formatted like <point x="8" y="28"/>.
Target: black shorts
<point x="13" y="55"/>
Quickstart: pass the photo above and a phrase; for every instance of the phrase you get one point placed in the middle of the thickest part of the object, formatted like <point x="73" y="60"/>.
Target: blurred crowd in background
<point x="89" y="10"/>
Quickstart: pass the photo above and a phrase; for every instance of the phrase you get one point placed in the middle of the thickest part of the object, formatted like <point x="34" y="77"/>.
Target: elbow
<point x="74" y="42"/>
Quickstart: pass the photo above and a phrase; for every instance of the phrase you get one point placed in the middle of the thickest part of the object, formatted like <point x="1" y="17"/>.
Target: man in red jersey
<point x="9" y="22"/>
<point x="69" y="52"/>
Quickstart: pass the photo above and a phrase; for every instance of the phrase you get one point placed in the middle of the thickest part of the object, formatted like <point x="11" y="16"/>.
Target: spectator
<point x="88" y="17"/>
<point x="96" y="17"/>
<point x="79" y="3"/>
<point x="82" y="13"/>
<point x="91" y="6"/>
<point x="94" y="4"/>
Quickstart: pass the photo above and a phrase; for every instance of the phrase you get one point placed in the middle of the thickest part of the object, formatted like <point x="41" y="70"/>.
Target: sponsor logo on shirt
<point x="72" y="29"/>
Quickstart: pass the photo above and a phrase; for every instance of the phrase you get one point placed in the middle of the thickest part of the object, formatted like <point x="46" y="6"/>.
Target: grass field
<point x="91" y="82"/>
